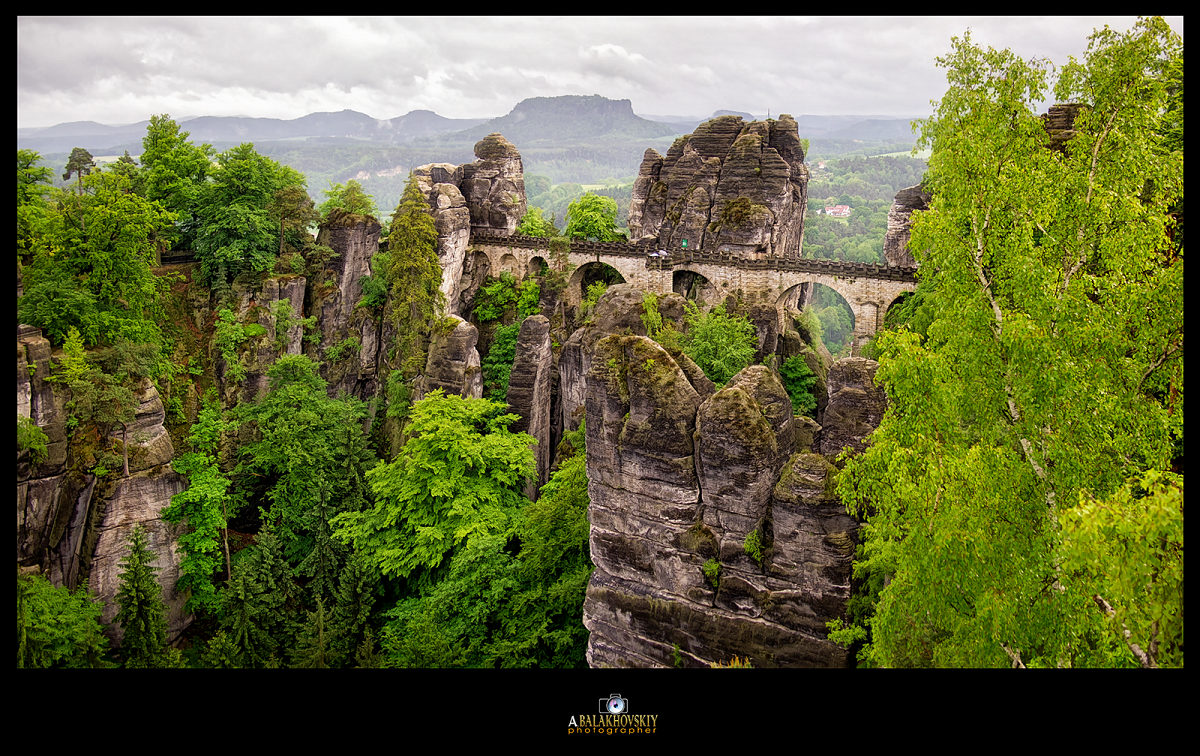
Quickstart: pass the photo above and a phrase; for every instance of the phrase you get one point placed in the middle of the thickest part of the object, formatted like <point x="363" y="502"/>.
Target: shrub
<point x="798" y="381"/>
<point x="721" y="344"/>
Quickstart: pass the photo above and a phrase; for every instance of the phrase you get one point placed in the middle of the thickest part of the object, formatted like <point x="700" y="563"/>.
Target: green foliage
<point x="497" y="365"/>
<point x="106" y="391"/>
<point x="349" y="197"/>
<point x="533" y="224"/>
<point x="798" y="381"/>
<point x="57" y="627"/>
<point x="344" y="349"/>
<point x="456" y="480"/>
<point x="722" y="345"/>
<point x="174" y="172"/>
<point x="651" y="318"/>
<point x="1127" y="553"/>
<point x="753" y="546"/>
<point x="1051" y="375"/>
<point x="142" y="615"/>
<point x="236" y="231"/>
<point x="92" y="255"/>
<point x="712" y="571"/>
<point x="285" y="321"/>
<point x="311" y="449"/>
<point x="32" y="439"/>
<point x="228" y="336"/>
<point x="529" y="296"/>
<point x="495" y="297"/>
<point x="204" y="506"/>
<point x="593" y="217"/>
<point x="587" y="308"/>
<point x="414" y="277"/>
<point x="374" y="286"/>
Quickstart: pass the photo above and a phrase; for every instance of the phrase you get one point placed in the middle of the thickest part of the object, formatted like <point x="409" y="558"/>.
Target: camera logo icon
<point x="614" y="704"/>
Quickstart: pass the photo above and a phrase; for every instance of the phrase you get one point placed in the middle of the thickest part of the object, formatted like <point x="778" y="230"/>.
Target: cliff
<point x="729" y="186"/>
<point x="714" y="529"/>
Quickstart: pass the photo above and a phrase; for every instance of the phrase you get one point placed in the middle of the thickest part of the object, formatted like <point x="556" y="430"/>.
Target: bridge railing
<point x="709" y="257"/>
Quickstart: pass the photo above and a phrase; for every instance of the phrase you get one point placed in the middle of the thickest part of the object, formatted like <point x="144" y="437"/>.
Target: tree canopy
<point x="593" y="217"/>
<point x="1052" y="373"/>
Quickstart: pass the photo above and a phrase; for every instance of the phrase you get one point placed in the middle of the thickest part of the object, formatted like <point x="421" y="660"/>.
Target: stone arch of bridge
<point x="575" y="284"/>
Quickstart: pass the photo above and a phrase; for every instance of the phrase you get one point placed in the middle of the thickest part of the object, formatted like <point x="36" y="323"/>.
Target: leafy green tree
<point x="222" y="653"/>
<point x="204" y="505"/>
<point x="721" y="344"/>
<point x="92" y="264"/>
<point x="295" y="212"/>
<point x="349" y="197"/>
<point x="311" y="448"/>
<point x="142" y="615"/>
<point x="174" y="173"/>
<point x="32" y="179"/>
<point x="593" y="217"/>
<point x="57" y="627"/>
<point x="798" y="381"/>
<point x="1052" y="371"/>
<point x="237" y="233"/>
<point x="534" y="224"/>
<point x="1128" y="550"/>
<point x="80" y="164"/>
<point x="457" y="479"/>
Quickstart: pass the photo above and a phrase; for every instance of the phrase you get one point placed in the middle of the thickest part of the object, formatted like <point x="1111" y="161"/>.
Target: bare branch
<point x="1146" y="660"/>
<point x="1015" y="656"/>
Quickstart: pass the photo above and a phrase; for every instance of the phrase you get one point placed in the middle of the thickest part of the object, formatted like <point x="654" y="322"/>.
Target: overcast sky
<point x="123" y="70"/>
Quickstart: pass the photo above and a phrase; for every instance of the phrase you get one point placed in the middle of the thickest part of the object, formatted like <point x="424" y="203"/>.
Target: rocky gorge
<point x="714" y="529"/>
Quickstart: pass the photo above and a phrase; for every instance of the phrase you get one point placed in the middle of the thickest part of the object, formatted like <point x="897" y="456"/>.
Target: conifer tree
<point x="242" y="609"/>
<point x="313" y="649"/>
<point x="414" y="276"/>
<point x="143" y="614"/>
<point x="222" y="653"/>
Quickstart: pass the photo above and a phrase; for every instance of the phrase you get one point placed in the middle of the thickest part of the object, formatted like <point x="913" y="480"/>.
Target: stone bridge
<point x="869" y="289"/>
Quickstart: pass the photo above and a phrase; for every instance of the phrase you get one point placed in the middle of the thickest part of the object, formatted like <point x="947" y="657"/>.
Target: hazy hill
<point x="98" y="137"/>
<point x="569" y="118"/>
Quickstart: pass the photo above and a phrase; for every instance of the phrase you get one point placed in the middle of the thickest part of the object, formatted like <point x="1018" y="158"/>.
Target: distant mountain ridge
<point x="347" y="123"/>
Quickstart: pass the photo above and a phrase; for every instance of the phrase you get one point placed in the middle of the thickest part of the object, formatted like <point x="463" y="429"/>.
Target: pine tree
<point x="143" y="614"/>
<point x="415" y="276"/>
<point x="313" y="648"/>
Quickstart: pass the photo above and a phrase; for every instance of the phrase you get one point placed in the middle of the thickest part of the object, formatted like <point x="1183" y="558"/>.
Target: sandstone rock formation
<point x="714" y="527"/>
<point x="730" y="186"/>
<point x="487" y="196"/>
<point x="856" y="405"/>
<point x="349" y="338"/>
<point x="494" y="186"/>
<point x="529" y="393"/>
<point x="899" y="225"/>
<point x="452" y="218"/>
<point x="73" y="527"/>
<point x="453" y="362"/>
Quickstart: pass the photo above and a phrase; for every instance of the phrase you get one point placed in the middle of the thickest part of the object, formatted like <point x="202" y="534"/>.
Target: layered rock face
<point x="714" y="526"/>
<point x="731" y="187"/>
<point x="348" y="345"/>
<point x="899" y="225"/>
<point x="487" y="196"/>
<point x="74" y="529"/>
<point x="453" y="363"/>
<point x="529" y="394"/>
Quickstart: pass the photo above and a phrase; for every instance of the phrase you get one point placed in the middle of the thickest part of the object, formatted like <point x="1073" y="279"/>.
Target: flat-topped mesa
<point x="729" y="187"/>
